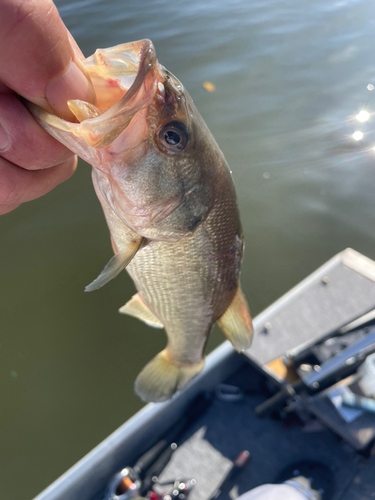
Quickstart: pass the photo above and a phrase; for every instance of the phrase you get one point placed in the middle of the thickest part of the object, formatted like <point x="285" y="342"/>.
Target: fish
<point x="170" y="204"/>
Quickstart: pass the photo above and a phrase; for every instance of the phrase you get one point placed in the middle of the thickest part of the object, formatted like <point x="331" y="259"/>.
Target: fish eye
<point x="174" y="136"/>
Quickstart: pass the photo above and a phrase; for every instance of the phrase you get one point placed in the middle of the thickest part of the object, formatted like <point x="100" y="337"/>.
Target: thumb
<point x="72" y="83"/>
<point x="37" y="60"/>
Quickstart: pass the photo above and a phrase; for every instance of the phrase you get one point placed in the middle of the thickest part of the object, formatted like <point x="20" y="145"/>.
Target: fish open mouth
<point x="124" y="82"/>
<point x="119" y="72"/>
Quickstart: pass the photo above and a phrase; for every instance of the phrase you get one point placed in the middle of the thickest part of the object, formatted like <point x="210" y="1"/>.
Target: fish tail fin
<point x="162" y="377"/>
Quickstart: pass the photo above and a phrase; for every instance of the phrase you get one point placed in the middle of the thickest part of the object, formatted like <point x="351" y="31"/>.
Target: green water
<point x="290" y="75"/>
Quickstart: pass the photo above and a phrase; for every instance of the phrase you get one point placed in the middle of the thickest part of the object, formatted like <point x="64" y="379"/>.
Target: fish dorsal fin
<point x="138" y="309"/>
<point x="116" y="264"/>
<point x="83" y="110"/>
<point x="236" y="322"/>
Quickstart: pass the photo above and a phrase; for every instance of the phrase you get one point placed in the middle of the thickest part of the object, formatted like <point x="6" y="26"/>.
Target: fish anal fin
<point x="162" y="377"/>
<point x="117" y="263"/>
<point x="138" y="309"/>
<point x="236" y="323"/>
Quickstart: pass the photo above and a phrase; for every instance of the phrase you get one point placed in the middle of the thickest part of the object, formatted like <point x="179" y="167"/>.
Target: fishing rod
<point x="359" y="321"/>
<point x="336" y="368"/>
<point x="138" y="480"/>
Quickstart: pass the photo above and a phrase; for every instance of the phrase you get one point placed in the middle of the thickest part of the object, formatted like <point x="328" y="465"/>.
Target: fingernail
<point x="4" y="139"/>
<point x="72" y="85"/>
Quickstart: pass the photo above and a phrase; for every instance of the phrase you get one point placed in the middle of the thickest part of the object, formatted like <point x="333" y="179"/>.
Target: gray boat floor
<point x="226" y="428"/>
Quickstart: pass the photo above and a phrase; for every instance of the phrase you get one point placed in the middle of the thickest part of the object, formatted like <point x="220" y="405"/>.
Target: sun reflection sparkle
<point x="363" y="116"/>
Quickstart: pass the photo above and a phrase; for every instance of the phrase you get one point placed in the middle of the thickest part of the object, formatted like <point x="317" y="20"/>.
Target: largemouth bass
<point x="170" y="204"/>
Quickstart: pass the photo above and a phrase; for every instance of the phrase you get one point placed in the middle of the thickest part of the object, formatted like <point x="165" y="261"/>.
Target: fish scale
<point x="186" y="281"/>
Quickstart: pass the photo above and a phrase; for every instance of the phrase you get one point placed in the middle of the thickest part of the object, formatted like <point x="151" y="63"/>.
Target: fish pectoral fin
<point x="162" y="377"/>
<point x="236" y="323"/>
<point x="116" y="265"/>
<point x="137" y="308"/>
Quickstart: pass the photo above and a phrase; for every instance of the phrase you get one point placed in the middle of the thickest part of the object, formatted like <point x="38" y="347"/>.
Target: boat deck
<point x="226" y="428"/>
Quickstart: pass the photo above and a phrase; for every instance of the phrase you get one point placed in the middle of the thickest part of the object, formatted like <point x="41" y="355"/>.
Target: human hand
<point x="38" y="61"/>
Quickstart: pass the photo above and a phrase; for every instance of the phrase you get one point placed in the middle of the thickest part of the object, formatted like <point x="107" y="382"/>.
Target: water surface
<point x="290" y="76"/>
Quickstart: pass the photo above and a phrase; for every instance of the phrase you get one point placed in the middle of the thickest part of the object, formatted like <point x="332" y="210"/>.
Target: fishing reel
<point x="126" y="485"/>
<point x="139" y="480"/>
<point x="179" y="489"/>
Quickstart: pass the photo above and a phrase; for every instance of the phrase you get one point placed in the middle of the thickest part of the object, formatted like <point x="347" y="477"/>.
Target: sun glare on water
<point x="363" y="116"/>
<point x="358" y="135"/>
